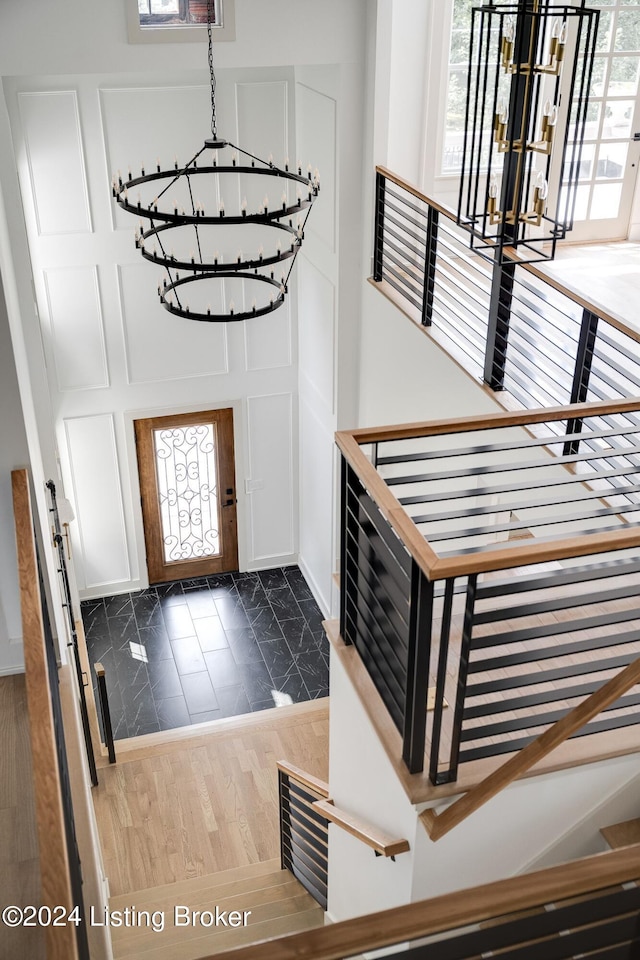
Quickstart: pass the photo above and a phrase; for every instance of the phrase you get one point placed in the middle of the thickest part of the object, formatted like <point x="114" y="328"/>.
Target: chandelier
<point x="224" y="228"/>
<point x="530" y="70"/>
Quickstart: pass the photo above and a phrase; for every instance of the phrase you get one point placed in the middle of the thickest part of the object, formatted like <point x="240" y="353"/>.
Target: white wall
<point x="13" y="453"/>
<point x="112" y="354"/>
<point x="503" y="838"/>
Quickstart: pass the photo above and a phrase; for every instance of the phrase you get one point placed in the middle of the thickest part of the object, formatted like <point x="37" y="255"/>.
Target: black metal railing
<point x="75" y="869"/>
<point x="508" y="324"/>
<point x="58" y="540"/>
<point x="387" y="602"/>
<point x="491" y="561"/>
<point x="303" y="831"/>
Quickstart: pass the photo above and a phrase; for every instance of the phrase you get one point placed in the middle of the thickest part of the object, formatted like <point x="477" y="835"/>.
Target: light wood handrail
<point x="490" y="421"/>
<point x="503" y="557"/>
<point x="450" y="911"/>
<point x="438" y="825"/>
<point x="53" y="852"/>
<point x="306" y="779"/>
<point x="382" y="843"/>
<point x="513" y="255"/>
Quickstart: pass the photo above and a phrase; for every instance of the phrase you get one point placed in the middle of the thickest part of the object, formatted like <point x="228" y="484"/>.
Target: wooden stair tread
<point x="275" y="919"/>
<point x="622" y="834"/>
<point x="263" y="871"/>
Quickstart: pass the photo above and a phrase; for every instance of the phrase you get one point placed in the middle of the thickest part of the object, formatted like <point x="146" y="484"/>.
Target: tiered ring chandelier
<point x="225" y="248"/>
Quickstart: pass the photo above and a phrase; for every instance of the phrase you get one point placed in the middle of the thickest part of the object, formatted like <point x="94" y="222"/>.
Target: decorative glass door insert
<point x="187" y="491"/>
<point x="187" y="472"/>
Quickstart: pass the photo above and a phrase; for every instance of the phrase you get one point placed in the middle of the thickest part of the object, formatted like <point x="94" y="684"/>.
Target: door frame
<point x="161" y="572"/>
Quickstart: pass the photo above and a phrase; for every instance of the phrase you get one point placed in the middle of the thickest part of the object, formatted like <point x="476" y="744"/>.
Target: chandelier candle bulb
<point x="253" y="305"/>
<point x="234" y="158"/>
<point x="260" y="253"/>
<point x="265" y="204"/>
<point x="142" y="169"/>
<point x="221" y="208"/>
<point x="157" y="164"/>
<point x="299" y="165"/>
<point x="232" y="307"/>
<point x="286" y="164"/>
<point x="244" y="206"/>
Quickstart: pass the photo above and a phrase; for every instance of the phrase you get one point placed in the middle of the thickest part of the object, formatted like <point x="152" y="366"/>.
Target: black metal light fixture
<point x="196" y="220"/>
<point x="530" y="66"/>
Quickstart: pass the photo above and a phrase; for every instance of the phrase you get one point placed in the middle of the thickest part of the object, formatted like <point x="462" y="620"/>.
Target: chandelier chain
<point x="210" y="15"/>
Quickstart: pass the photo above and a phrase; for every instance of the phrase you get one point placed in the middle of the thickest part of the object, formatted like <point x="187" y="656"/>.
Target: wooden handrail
<point x="54" y="861"/>
<point x="438" y="825"/>
<point x="382" y="843"/>
<point x="450" y="911"/>
<point x="512" y="554"/>
<point x="306" y="779"/>
<point x="513" y="255"/>
<point x="491" y="421"/>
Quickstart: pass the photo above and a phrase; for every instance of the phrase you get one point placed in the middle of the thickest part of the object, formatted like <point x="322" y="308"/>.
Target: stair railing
<point x="589" y="906"/>
<point x="438" y="825"/>
<point x="58" y="540"/>
<point x="304" y="833"/>
<point x="305" y="813"/>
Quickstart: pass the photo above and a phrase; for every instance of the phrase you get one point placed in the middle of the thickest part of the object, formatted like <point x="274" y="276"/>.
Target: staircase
<point x="278" y="905"/>
<point x="622" y="834"/>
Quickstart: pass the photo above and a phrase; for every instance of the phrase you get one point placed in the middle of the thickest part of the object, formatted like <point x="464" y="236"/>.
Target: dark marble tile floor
<point x="196" y="650"/>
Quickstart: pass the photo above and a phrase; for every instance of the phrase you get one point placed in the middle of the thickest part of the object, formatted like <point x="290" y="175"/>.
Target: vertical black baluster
<point x="415" y="711"/>
<point x="498" y="326"/>
<point x="440" y="680"/>
<point x="105" y="712"/>
<point x="581" y="374"/>
<point x="431" y="254"/>
<point x="463" y="671"/>
<point x="343" y="547"/>
<point x="378" y="239"/>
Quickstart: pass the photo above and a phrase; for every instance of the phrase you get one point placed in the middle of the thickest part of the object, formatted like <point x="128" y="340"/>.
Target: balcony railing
<point x="525" y="334"/>
<point x="495" y="560"/>
<point x="585" y="908"/>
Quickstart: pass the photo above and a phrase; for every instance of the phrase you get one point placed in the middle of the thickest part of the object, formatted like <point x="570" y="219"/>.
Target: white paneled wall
<point x="113" y="353"/>
<point x="271" y="485"/>
<point x="54" y="155"/>
<point x="77" y="343"/>
<point x="97" y="494"/>
<point x="316" y="112"/>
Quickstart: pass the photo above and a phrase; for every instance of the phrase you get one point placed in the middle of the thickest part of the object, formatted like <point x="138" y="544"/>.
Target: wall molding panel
<point x="270" y="484"/>
<point x="317" y="144"/>
<point x="76" y="325"/>
<point x="135" y="129"/>
<point x="55" y="158"/>
<point x="160" y="347"/>
<point x="97" y="494"/>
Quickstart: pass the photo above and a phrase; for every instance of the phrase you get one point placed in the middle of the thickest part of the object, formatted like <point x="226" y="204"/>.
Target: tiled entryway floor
<point x="197" y="650"/>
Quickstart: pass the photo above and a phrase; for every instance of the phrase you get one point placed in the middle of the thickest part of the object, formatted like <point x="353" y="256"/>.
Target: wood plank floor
<point x="204" y="803"/>
<point x="19" y="864"/>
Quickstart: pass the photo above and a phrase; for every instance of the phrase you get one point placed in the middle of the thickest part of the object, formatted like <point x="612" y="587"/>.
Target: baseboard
<point x="12" y="671"/>
<point x="325" y="607"/>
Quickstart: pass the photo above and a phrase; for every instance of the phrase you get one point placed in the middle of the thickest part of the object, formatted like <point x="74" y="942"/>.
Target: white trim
<point x="180" y="34"/>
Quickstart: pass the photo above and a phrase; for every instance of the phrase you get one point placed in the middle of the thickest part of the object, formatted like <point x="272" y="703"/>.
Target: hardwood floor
<point x="19" y="864"/>
<point x="207" y="802"/>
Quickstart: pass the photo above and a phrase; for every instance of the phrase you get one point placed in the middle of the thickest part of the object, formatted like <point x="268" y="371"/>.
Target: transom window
<point x="176" y="13"/>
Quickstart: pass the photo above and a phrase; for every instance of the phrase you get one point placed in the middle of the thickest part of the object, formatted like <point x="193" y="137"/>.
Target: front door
<point x="187" y="491"/>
